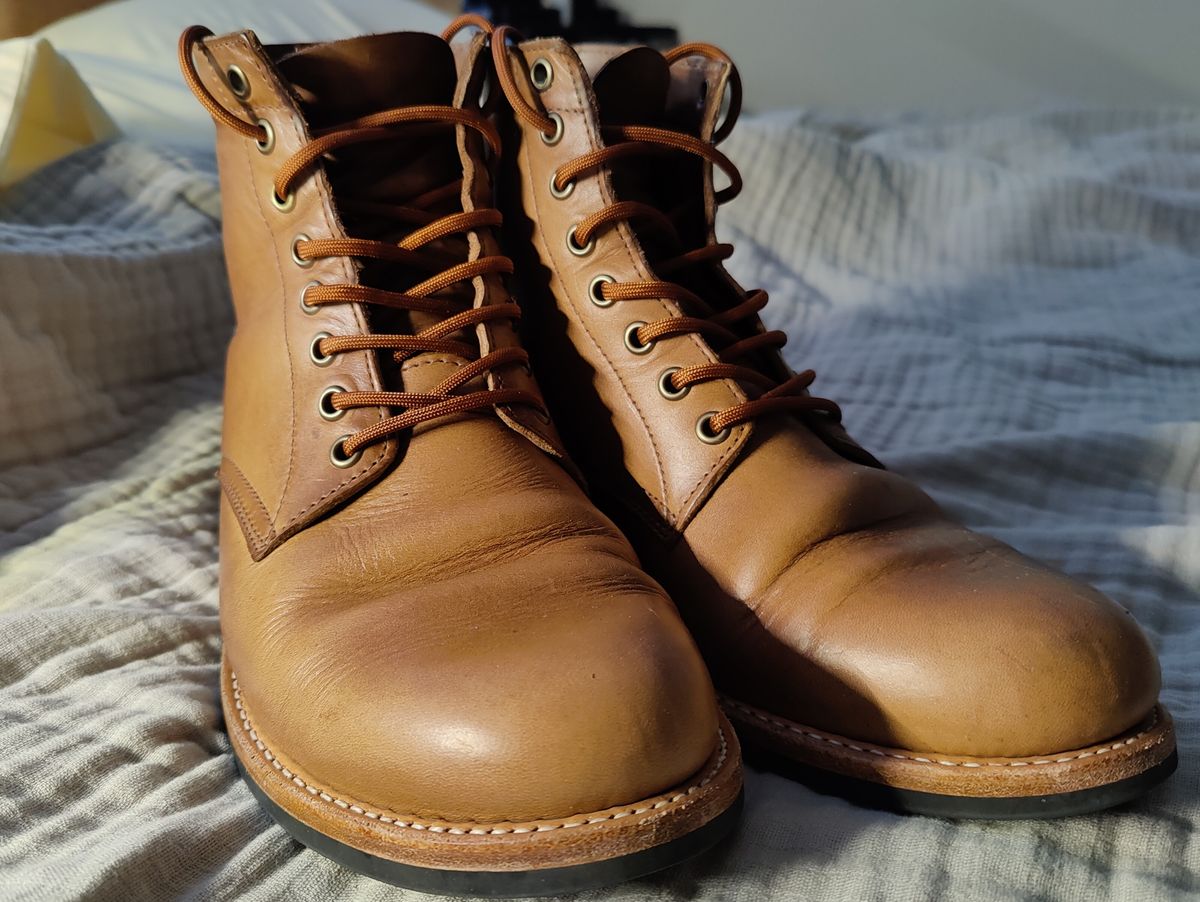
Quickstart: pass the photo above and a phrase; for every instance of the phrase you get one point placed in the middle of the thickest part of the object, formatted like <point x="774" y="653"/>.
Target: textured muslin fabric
<point x="1007" y="308"/>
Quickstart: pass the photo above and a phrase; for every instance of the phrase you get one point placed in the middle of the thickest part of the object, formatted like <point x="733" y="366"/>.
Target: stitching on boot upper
<point x="357" y="474"/>
<point x="245" y="53"/>
<point x="291" y="464"/>
<point x="582" y="320"/>
<point x="646" y="271"/>
<point x="584" y="109"/>
<point x="258" y="539"/>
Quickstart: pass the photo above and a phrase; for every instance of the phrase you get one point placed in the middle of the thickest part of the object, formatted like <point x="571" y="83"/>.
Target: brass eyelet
<point x="296" y="258"/>
<point x="632" y="344"/>
<point x="561" y="193"/>
<point x="325" y="404"/>
<point x="237" y="81"/>
<point x="287" y="204"/>
<point x="554" y="137"/>
<point x="338" y="456"/>
<point x="705" y="434"/>
<point x="541" y="73"/>
<point x="575" y="248"/>
<point x="304" y="305"/>
<point x="314" y="350"/>
<point x="667" y="388"/>
<point x="266" y="143"/>
<point x="594" y="290"/>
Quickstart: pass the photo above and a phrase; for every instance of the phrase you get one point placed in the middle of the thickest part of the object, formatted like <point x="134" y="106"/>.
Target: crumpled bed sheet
<point x="1007" y="308"/>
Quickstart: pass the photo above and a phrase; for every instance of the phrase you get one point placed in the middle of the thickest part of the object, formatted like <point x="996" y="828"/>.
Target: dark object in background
<point x="591" y="20"/>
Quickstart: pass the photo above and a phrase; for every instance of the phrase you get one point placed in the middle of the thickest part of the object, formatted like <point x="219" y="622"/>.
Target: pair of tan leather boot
<point x="444" y="666"/>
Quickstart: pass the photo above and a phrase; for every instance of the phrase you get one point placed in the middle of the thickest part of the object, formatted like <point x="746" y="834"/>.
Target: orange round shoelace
<point x="719" y="328"/>
<point x="444" y="270"/>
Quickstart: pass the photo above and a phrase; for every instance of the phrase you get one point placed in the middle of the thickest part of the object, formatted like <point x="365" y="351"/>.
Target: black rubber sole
<point x="911" y="801"/>
<point x="504" y="884"/>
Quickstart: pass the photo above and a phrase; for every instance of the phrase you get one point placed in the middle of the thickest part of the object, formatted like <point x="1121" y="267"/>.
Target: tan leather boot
<point x="443" y="667"/>
<point x="851" y="626"/>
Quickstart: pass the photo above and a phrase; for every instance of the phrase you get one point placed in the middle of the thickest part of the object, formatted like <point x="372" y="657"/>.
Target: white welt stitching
<point x="537" y="827"/>
<point x="889" y="753"/>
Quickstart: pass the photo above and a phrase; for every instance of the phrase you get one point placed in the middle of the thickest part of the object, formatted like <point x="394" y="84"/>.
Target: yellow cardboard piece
<point x="46" y="111"/>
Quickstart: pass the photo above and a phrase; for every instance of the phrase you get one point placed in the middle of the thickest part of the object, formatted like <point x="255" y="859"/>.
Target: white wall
<point x="871" y="55"/>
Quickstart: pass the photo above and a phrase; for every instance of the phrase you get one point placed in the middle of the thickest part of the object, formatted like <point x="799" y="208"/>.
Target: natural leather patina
<point x="430" y="633"/>
<point x="828" y="594"/>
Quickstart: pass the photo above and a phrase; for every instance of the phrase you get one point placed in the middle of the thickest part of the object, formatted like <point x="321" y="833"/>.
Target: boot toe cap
<point x="578" y="705"/>
<point x="966" y="648"/>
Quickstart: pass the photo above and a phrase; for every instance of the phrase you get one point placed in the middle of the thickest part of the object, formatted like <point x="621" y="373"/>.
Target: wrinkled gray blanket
<point x="1007" y="308"/>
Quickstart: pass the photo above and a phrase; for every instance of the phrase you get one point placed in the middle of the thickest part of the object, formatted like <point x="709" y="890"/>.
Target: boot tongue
<point x="631" y="88"/>
<point x="637" y="87"/>
<point x="338" y="82"/>
<point x="343" y="80"/>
